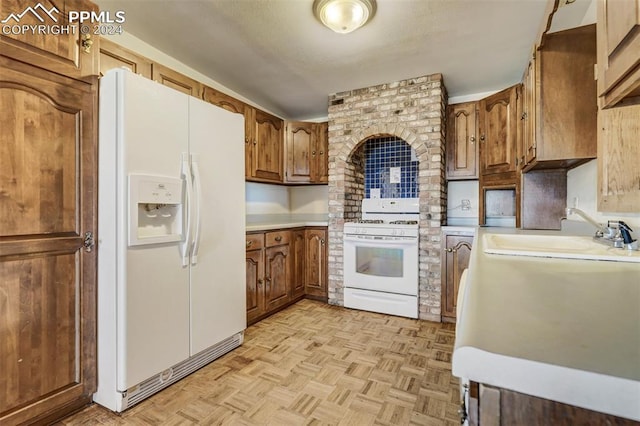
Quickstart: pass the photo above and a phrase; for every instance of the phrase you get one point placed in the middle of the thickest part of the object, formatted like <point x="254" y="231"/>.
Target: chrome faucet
<point x="601" y="229"/>
<point x="615" y="234"/>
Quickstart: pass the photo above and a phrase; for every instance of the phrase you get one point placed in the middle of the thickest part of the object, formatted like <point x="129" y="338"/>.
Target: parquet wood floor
<point x="313" y="364"/>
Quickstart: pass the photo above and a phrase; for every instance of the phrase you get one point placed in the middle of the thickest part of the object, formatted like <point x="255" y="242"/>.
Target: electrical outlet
<point x="466" y="204"/>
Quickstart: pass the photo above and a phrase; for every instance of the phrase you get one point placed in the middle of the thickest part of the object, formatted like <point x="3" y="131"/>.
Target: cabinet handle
<point x="322" y="241"/>
<point x="482" y="138"/>
<point x="267" y="280"/>
<point x="260" y="281"/>
<point x="472" y="139"/>
<point x="246" y="140"/>
<point x="321" y="152"/>
<point x="313" y="153"/>
<point x="249" y="243"/>
<point x="449" y="250"/>
<point x="254" y="142"/>
<point x="278" y="238"/>
<point x="524" y="116"/>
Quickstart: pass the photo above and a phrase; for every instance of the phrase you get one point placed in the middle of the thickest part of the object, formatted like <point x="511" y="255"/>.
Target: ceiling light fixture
<point x="344" y="16"/>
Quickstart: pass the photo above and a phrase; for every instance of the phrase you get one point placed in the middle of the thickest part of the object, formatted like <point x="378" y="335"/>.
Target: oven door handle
<point x="401" y="241"/>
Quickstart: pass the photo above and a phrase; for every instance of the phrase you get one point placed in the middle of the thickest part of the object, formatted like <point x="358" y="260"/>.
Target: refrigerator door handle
<point x="198" y="206"/>
<point x="186" y="243"/>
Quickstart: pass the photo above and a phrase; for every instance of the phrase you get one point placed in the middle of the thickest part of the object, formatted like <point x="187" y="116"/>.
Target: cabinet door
<point x="316" y="267"/>
<point x="321" y="174"/>
<point x="48" y="285"/>
<point x="301" y="144"/>
<point x="267" y="147"/>
<point x="249" y="140"/>
<point x="618" y="159"/>
<point x="223" y="100"/>
<point x="255" y="285"/>
<point x="456" y="260"/>
<point x="462" y="149"/>
<point x="277" y="276"/>
<point x="498" y="132"/>
<point x="618" y="50"/>
<point x="67" y="53"/>
<point x="298" y="260"/>
<point x="175" y="80"/>
<point x="113" y="56"/>
<point x="529" y="114"/>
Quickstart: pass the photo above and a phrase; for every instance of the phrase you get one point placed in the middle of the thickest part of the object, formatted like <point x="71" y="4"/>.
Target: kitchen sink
<point x="558" y="246"/>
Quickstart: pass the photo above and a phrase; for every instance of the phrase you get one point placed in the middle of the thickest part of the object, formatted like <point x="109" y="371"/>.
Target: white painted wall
<point x="582" y="183"/>
<point x="309" y="199"/>
<point x="262" y="198"/>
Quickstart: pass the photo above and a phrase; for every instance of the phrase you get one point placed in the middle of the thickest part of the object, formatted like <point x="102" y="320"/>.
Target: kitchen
<point x="347" y="184"/>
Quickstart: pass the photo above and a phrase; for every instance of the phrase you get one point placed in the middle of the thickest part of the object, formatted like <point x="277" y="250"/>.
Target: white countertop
<point x="562" y="329"/>
<point x="266" y="222"/>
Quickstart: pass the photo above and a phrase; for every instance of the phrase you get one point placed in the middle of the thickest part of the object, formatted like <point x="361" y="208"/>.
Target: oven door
<point x="388" y="264"/>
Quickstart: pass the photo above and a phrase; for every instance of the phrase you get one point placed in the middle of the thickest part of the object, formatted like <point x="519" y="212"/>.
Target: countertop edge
<point x="557" y="383"/>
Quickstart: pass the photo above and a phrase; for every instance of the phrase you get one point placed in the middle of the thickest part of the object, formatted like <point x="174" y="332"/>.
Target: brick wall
<point x="413" y="110"/>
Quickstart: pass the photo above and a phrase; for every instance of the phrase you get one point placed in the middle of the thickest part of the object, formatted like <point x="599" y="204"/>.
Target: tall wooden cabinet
<point x="114" y="56"/>
<point x="48" y="145"/>
<point x="499" y="174"/>
<point x="461" y="141"/>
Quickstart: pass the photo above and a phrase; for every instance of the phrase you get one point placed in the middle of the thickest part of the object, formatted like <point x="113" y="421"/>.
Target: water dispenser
<point x="155" y="209"/>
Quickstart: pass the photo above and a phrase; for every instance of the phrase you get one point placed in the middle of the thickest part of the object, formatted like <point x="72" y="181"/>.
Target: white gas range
<point x="381" y="257"/>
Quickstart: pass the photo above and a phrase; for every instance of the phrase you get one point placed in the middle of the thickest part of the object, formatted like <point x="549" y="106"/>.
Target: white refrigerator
<point x="171" y="259"/>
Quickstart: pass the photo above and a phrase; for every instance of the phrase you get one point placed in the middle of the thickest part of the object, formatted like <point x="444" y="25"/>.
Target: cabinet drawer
<point x="277" y="238"/>
<point x="255" y="241"/>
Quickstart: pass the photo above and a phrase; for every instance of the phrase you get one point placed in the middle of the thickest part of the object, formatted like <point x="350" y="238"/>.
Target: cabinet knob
<point x="267" y="280"/>
<point x="278" y="238"/>
<point x="260" y="281"/>
<point x="322" y="241"/>
<point x="249" y="243"/>
<point x="482" y="138"/>
<point x="472" y="139"/>
<point x="321" y="152"/>
<point x="313" y="153"/>
<point x="246" y="140"/>
<point x="524" y="116"/>
<point x="449" y="250"/>
<point x="254" y="142"/>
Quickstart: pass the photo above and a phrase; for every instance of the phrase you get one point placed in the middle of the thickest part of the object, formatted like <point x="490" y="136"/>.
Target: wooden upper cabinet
<point x="498" y="132"/>
<point x="48" y="182"/>
<point x="461" y="143"/>
<point x="301" y="142"/>
<point x="306" y="152"/>
<point x="114" y="56"/>
<point x="71" y="53"/>
<point x="560" y="101"/>
<point x="223" y="100"/>
<point x="618" y="50"/>
<point x="618" y="159"/>
<point x="264" y="142"/>
<point x="175" y="80"/>
<point x="322" y="159"/>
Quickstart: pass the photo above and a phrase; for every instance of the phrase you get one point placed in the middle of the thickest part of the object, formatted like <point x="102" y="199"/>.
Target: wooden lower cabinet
<point x="315" y="283"/>
<point x="283" y="266"/>
<point x="277" y="275"/>
<point x="297" y="285"/>
<point x="492" y="406"/>
<point x="454" y="260"/>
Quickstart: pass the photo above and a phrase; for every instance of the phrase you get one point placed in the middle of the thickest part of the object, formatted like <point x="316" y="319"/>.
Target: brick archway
<point x="412" y="110"/>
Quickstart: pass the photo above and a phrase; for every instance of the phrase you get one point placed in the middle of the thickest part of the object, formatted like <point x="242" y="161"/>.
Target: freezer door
<point x="218" y="288"/>
<point x="153" y="290"/>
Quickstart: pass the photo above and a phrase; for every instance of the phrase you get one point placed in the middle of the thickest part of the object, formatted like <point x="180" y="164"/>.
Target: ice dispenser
<point x="155" y="209"/>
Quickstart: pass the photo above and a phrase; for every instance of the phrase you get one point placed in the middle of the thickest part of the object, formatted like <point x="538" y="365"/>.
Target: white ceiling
<point x="275" y="53"/>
